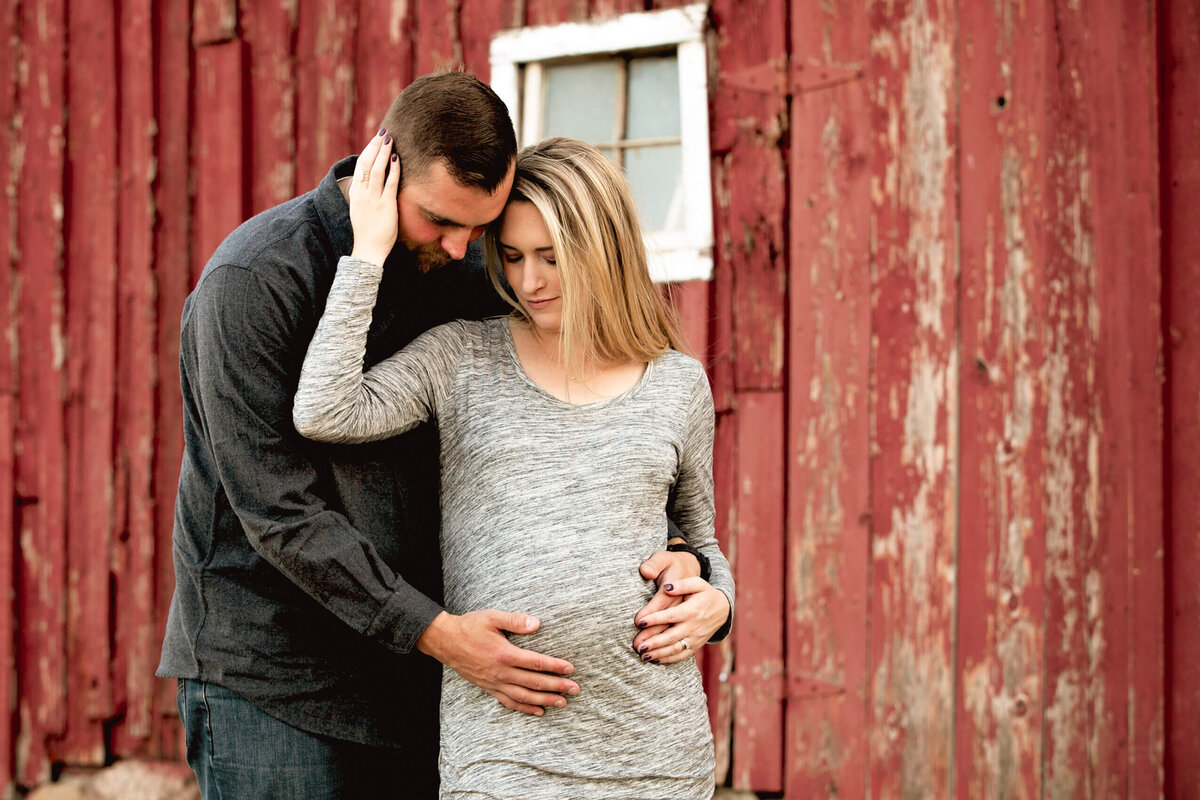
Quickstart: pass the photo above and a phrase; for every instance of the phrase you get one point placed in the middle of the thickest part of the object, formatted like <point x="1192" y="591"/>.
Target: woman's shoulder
<point x="469" y="339"/>
<point x="466" y="330"/>
<point x="681" y="367"/>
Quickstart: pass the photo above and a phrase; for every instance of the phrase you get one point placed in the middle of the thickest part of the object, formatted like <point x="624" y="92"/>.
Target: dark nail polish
<point x="382" y="131"/>
<point x="669" y="587"/>
<point x="395" y="158"/>
<point x="655" y="661"/>
<point x="387" y="140"/>
<point x="643" y="648"/>
<point x="642" y="624"/>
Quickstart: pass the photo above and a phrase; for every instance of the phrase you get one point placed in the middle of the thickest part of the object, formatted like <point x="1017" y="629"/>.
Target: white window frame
<point x="516" y="73"/>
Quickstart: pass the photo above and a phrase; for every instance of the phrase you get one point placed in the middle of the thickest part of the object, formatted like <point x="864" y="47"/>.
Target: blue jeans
<point x="241" y="753"/>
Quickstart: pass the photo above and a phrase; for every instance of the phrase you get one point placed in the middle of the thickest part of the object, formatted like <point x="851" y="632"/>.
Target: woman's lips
<point x="539" y="304"/>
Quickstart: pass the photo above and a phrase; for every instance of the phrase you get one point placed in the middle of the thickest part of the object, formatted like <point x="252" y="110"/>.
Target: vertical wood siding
<point x="955" y="368"/>
<point x="1180" y="175"/>
<point x="914" y="408"/>
<point x="829" y="381"/>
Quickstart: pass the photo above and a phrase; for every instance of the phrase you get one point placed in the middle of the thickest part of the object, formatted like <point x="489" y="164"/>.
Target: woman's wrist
<point x="369" y="255"/>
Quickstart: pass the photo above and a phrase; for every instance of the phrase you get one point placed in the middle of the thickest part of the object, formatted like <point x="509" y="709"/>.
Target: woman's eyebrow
<point x="536" y="249"/>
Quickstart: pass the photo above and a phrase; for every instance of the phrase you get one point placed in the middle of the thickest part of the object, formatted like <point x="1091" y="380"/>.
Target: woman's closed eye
<point x="513" y="258"/>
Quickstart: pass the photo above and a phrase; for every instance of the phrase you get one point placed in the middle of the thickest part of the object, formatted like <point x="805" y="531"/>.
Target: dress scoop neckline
<point x="510" y="345"/>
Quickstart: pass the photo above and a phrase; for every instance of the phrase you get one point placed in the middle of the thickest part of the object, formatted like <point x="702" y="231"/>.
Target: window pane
<point x="653" y="97"/>
<point x="656" y="178"/>
<point x="581" y="100"/>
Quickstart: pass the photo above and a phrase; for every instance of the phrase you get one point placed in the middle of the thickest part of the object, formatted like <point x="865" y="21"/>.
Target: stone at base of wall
<point x="126" y="780"/>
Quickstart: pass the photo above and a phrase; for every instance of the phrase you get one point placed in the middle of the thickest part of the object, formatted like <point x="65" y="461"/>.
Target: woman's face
<point x="530" y="266"/>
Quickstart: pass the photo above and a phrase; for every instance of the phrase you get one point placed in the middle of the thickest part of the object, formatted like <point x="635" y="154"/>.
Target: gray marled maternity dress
<point x="547" y="509"/>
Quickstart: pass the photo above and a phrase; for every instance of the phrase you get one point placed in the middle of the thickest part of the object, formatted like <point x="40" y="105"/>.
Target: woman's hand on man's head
<point x="374" y="192"/>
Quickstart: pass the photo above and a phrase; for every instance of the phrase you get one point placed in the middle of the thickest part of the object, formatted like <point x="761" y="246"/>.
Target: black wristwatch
<point x="684" y="547"/>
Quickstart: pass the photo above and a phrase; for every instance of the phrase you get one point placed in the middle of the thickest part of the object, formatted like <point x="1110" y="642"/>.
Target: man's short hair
<point x="453" y="117"/>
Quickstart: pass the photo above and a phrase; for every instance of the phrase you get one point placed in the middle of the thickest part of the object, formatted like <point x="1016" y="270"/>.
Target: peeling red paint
<point x="933" y="337"/>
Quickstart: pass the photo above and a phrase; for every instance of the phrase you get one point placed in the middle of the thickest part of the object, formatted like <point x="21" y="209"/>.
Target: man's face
<point x="439" y="217"/>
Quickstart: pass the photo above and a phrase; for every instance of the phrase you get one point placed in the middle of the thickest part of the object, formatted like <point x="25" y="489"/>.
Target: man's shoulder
<point x="277" y="263"/>
<point x="277" y="236"/>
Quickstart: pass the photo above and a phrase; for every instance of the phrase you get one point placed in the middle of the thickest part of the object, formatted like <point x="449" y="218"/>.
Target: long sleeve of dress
<point x="691" y="504"/>
<point x="336" y="401"/>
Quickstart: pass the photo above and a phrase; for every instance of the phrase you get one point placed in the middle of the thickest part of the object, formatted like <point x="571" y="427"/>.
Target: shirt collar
<point x="332" y="207"/>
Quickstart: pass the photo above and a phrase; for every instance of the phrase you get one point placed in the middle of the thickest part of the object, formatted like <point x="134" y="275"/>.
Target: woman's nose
<point x="533" y="276"/>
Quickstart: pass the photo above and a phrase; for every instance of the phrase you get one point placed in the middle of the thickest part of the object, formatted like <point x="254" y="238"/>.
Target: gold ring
<point x="685" y="644"/>
<point x="366" y="175"/>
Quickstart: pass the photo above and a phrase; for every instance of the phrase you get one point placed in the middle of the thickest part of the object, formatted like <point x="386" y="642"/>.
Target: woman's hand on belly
<point x="700" y="612"/>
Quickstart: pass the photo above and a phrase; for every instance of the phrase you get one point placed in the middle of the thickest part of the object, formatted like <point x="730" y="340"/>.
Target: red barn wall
<point x="952" y="336"/>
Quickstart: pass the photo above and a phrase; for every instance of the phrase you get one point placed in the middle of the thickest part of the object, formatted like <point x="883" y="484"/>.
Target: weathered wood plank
<point x="214" y="21"/>
<point x="479" y="21"/>
<point x="914" y="397"/>
<point x="173" y="266"/>
<point x="90" y="281"/>
<point x="1003" y="516"/>
<point x="1118" y="109"/>
<point x="1073" y="429"/>
<point x="1179" y="60"/>
<point x="721" y="351"/>
<point x="9" y="27"/>
<point x="718" y="659"/>
<point x="552" y="12"/>
<point x="220" y="204"/>
<point x="269" y="30"/>
<point x="1098" y="742"/>
<point x="757" y="525"/>
<point x="600" y="9"/>
<point x="41" y="466"/>
<point x="829" y="335"/>
<point x="135" y="621"/>
<point x="748" y="119"/>
<point x="692" y="301"/>
<point x="385" y="26"/>
<point x="437" y="36"/>
<point x="325" y="59"/>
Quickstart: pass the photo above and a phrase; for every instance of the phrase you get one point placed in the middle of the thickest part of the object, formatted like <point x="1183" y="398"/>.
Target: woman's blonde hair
<point x="612" y="312"/>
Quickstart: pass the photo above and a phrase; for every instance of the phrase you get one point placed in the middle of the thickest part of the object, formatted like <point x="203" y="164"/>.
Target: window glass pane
<point x="653" y="97"/>
<point x="656" y="178"/>
<point x="581" y="100"/>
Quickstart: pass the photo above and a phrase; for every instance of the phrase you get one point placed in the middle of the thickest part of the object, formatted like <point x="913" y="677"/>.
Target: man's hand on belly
<point x="475" y="646"/>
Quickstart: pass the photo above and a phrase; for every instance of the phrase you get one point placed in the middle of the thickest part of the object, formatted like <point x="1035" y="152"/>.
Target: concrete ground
<point x="126" y="780"/>
<point x="150" y="780"/>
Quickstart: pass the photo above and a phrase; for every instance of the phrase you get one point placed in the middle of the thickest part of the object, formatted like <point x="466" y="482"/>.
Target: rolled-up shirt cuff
<point x="402" y="619"/>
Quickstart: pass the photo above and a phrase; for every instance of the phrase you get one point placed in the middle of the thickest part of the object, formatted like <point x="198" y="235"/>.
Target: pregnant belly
<point x="586" y="608"/>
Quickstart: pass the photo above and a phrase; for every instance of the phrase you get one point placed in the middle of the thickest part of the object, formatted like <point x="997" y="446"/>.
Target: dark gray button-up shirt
<point x="306" y="572"/>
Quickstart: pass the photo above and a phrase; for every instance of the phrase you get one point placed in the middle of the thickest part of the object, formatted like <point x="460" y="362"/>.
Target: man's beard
<point x="428" y="257"/>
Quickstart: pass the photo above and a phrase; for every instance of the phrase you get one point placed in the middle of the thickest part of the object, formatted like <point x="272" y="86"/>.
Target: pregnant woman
<point x="570" y="430"/>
